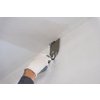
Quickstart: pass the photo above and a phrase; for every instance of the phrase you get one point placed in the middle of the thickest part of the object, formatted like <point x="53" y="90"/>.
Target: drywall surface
<point x="30" y="33"/>
<point x="26" y="37"/>
<point x="12" y="57"/>
<point x="73" y="22"/>
<point x="35" y="34"/>
<point x="79" y="57"/>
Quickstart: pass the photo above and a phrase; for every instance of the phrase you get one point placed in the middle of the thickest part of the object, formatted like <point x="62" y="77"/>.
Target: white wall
<point x="12" y="57"/>
<point x="79" y="57"/>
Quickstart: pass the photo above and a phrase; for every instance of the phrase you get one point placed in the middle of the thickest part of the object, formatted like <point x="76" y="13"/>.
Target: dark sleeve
<point x="25" y="80"/>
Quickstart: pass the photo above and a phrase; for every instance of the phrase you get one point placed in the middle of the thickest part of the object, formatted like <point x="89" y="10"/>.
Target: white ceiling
<point x="36" y="33"/>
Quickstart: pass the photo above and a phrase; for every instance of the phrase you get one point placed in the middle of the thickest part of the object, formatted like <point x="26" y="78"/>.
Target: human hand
<point x="38" y="63"/>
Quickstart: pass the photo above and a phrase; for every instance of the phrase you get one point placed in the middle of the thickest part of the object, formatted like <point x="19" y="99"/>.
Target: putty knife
<point x="54" y="49"/>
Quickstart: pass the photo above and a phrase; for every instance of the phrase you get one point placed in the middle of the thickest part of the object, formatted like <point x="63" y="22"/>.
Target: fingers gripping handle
<point x="45" y="68"/>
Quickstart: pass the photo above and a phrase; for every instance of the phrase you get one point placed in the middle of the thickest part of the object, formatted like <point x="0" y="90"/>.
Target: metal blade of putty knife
<point x="54" y="49"/>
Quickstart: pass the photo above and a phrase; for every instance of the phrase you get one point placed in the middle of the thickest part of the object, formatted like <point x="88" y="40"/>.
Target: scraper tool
<point x="54" y="49"/>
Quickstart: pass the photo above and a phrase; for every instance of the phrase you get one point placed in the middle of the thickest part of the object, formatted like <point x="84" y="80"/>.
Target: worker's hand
<point x="38" y="63"/>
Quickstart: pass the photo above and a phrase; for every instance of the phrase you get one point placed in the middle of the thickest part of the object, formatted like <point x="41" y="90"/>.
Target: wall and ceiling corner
<point x="23" y="38"/>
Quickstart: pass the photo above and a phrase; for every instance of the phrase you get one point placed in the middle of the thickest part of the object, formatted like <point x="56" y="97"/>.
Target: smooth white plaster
<point x="67" y="69"/>
<point x="35" y="34"/>
<point x="11" y="57"/>
<point x="78" y="61"/>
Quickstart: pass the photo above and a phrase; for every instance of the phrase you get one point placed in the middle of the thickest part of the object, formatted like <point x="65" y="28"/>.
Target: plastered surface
<point x="78" y="59"/>
<point x="11" y="57"/>
<point x="35" y="34"/>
